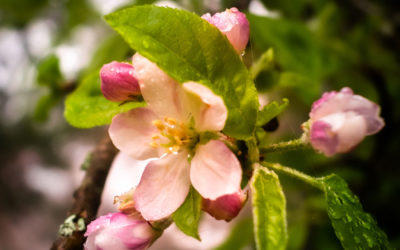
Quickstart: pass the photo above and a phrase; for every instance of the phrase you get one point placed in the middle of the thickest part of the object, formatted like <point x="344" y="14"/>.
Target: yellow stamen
<point x="170" y="121"/>
<point x="159" y="124"/>
<point x="178" y="140"/>
<point x="172" y="135"/>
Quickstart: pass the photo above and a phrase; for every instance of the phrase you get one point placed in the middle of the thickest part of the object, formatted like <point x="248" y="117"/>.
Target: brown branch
<point x="87" y="197"/>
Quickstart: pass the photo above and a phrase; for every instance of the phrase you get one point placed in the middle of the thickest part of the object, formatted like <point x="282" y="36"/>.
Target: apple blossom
<point x="233" y="24"/>
<point x="341" y="120"/>
<point x="225" y="207"/>
<point x="172" y="128"/>
<point x="118" y="82"/>
<point x="119" y="231"/>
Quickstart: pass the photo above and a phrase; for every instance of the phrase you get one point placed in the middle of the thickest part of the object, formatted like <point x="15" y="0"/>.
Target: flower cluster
<point x="181" y="128"/>
<point x="181" y="131"/>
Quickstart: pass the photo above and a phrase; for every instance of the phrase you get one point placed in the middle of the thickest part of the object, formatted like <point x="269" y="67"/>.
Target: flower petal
<point x="322" y="138"/>
<point x="161" y="92"/>
<point x="164" y="186"/>
<point x="351" y="132"/>
<point x="131" y="133"/>
<point x="338" y="133"/>
<point x="215" y="171"/>
<point x="225" y="207"/>
<point x="208" y="109"/>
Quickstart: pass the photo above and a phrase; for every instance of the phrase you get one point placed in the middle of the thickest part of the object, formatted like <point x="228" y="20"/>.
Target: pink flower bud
<point x="119" y="231"/>
<point x="233" y="24"/>
<point x="225" y="207"/>
<point x="118" y="82"/>
<point x="340" y="120"/>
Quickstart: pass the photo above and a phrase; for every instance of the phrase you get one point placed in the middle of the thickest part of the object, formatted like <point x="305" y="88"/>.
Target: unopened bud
<point x="340" y="120"/>
<point x="119" y="231"/>
<point x="234" y="25"/>
<point x="118" y="82"/>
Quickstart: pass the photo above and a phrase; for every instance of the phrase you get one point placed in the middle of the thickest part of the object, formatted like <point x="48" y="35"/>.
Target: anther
<point x="170" y="121"/>
<point x="159" y="124"/>
<point x="153" y="144"/>
<point x="155" y="137"/>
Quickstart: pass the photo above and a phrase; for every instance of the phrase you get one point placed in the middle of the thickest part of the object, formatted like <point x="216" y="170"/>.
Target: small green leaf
<point x="188" y="48"/>
<point x="187" y="216"/>
<point x="48" y="72"/>
<point x="269" y="210"/>
<point x="86" y="107"/>
<point x="44" y="106"/>
<point x="354" y="228"/>
<point x="264" y="63"/>
<point x="241" y="236"/>
<point x="270" y="111"/>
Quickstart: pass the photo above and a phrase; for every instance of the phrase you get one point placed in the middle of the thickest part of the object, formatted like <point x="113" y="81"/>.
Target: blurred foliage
<point x="241" y="236"/>
<point x="19" y="13"/>
<point x="326" y="45"/>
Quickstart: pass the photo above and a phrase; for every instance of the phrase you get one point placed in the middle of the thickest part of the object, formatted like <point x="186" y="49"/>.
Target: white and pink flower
<point x="340" y="120"/>
<point x="233" y="24"/>
<point x="119" y="231"/>
<point x="170" y="129"/>
<point x="118" y="82"/>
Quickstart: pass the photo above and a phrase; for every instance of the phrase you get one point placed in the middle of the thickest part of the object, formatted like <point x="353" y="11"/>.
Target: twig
<point x="87" y="197"/>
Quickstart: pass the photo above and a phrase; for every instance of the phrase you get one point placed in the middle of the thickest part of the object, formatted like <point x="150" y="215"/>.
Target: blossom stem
<point x="294" y="173"/>
<point x="285" y="146"/>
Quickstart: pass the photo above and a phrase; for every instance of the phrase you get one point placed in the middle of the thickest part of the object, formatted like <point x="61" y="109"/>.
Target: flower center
<point x="172" y="135"/>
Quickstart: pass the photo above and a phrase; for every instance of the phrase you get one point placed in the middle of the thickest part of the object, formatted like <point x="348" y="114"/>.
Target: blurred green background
<point x="48" y="46"/>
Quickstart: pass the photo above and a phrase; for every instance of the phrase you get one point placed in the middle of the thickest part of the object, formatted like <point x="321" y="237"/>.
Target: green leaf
<point x="187" y="216"/>
<point x="354" y="228"/>
<point x="86" y="107"/>
<point x="269" y="210"/>
<point x="241" y="236"/>
<point x="270" y="111"/>
<point x="188" y="48"/>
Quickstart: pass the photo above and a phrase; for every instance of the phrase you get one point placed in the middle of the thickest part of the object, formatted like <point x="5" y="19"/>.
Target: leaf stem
<point x="285" y="146"/>
<point x="294" y="173"/>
